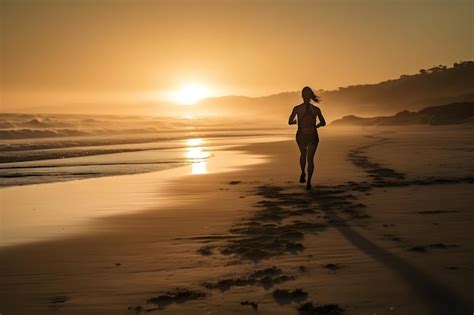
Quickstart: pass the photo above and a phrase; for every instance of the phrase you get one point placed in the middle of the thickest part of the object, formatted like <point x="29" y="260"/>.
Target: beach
<point x="386" y="229"/>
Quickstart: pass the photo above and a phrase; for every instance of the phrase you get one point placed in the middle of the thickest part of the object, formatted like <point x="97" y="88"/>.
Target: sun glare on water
<point x="192" y="93"/>
<point x="197" y="155"/>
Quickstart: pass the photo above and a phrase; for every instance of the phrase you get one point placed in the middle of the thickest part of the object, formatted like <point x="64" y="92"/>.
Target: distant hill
<point x="436" y="86"/>
<point x="451" y="114"/>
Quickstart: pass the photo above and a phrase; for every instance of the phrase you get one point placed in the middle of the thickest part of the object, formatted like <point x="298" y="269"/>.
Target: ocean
<point x="37" y="149"/>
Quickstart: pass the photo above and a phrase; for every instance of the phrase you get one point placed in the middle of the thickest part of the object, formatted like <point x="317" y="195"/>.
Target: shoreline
<point x="241" y="235"/>
<point x="63" y="206"/>
<point x="77" y="163"/>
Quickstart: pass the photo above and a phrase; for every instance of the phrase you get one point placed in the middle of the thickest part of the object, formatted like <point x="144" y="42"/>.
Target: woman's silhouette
<point x="307" y="135"/>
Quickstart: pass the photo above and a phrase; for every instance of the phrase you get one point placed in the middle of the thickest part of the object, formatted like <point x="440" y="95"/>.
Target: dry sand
<point x="387" y="229"/>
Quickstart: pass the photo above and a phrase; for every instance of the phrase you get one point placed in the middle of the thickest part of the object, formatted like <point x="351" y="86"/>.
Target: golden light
<point x="199" y="168"/>
<point x="196" y="153"/>
<point x="194" y="142"/>
<point x="191" y="93"/>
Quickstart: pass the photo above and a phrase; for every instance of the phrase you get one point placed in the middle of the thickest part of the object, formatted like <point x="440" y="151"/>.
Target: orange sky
<point x="63" y="52"/>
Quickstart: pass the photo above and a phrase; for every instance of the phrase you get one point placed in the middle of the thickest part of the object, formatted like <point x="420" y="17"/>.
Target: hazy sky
<point x="108" y="50"/>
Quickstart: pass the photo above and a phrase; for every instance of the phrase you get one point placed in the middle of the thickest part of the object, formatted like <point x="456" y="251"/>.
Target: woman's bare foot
<point x="303" y="178"/>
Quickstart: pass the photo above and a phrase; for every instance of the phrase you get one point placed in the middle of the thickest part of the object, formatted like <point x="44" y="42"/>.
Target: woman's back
<point x="307" y="137"/>
<point x="307" y="114"/>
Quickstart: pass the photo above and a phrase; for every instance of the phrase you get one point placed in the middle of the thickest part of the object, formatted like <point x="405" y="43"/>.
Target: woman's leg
<point x="303" y="154"/>
<point x="311" y="152"/>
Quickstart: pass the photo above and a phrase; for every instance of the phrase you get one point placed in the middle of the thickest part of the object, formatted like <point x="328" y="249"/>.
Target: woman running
<point x="307" y="134"/>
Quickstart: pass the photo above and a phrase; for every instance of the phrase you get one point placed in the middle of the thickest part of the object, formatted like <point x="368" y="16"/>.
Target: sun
<point x="191" y="93"/>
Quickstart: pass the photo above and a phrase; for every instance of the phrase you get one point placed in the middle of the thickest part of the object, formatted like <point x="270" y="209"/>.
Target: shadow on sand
<point x="284" y="218"/>
<point x="437" y="297"/>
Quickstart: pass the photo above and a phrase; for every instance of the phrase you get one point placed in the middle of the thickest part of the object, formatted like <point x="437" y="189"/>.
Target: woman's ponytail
<point x="308" y="94"/>
<point x="315" y="98"/>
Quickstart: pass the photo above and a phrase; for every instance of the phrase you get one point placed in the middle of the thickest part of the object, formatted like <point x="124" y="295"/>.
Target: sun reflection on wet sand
<point x="197" y="155"/>
<point x="33" y="213"/>
<point x="199" y="167"/>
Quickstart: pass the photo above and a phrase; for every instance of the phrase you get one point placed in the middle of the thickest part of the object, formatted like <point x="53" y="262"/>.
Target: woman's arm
<point x="322" y="121"/>
<point x="291" y="120"/>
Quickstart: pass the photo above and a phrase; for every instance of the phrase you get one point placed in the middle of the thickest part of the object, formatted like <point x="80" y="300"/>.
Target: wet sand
<point x="375" y="235"/>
